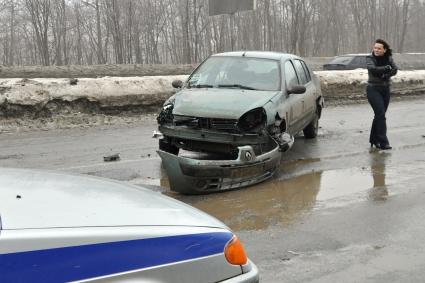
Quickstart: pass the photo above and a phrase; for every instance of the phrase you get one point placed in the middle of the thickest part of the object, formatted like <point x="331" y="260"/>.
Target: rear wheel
<point x="310" y="132"/>
<point x="168" y="147"/>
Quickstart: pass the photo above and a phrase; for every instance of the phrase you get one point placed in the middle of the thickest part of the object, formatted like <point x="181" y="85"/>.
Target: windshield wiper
<point x="201" y="86"/>
<point x="238" y="86"/>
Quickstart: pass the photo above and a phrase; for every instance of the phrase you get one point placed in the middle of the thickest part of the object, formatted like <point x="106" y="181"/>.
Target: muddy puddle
<point x="303" y="187"/>
<point x="283" y="201"/>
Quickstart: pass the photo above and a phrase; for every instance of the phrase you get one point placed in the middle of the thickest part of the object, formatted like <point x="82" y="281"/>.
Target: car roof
<point x="359" y="54"/>
<point x="46" y="199"/>
<point x="259" y="54"/>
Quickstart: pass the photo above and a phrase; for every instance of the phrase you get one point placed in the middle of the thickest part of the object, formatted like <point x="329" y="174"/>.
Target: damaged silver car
<point x="238" y="111"/>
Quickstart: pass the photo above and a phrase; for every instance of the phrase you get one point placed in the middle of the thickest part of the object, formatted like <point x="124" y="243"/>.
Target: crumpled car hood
<point x="219" y="102"/>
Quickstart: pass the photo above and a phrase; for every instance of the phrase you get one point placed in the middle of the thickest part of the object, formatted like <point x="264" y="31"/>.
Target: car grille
<point x="206" y="123"/>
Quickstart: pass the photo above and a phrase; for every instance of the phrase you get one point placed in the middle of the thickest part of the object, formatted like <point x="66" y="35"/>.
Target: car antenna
<point x="243" y="54"/>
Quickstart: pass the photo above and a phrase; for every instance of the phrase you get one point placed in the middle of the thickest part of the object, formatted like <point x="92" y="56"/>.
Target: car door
<point x="293" y="102"/>
<point x="308" y="99"/>
<point x="312" y="92"/>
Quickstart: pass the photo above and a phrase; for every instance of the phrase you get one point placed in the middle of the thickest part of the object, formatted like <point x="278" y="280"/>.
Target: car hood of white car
<point x="32" y="199"/>
<point x="225" y="103"/>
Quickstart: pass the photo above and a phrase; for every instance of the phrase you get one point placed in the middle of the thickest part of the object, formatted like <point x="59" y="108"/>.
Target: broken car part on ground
<point x="237" y="111"/>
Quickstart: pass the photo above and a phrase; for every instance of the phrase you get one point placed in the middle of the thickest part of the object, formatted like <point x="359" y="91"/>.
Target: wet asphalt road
<point x="337" y="211"/>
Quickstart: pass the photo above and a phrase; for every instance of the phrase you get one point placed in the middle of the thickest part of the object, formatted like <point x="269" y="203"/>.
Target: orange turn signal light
<point x="234" y="252"/>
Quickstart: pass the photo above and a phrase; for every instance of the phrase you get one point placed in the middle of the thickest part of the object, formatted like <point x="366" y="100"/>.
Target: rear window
<point x="342" y="60"/>
<point x="360" y="60"/>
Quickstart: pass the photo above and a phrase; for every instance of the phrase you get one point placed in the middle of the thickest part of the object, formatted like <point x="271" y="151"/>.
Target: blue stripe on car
<point x="88" y="261"/>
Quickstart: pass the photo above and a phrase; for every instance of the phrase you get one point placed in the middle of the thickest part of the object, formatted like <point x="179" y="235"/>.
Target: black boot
<point x="385" y="147"/>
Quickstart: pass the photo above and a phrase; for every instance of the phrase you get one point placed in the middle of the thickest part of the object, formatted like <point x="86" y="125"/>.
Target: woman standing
<point x="381" y="68"/>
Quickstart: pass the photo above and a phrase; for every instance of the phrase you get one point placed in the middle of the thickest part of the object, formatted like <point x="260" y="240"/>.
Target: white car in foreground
<point x="60" y="228"/>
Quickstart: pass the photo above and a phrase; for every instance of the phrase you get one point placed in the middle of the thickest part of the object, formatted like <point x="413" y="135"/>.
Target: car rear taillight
<point x="234" y="252"/>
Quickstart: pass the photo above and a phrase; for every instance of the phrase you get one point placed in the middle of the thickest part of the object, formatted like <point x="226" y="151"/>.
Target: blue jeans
<point x="379" y="98"/>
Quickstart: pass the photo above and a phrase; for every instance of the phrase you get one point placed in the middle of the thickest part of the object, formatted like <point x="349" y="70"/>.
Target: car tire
<point x="168" y="147"/>
<point x="310" y="132"/>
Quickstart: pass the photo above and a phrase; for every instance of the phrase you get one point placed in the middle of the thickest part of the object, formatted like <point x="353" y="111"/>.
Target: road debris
<point x="157" y="135"/>
<point x="73" y="81"/>
<point x="113" y="157"/>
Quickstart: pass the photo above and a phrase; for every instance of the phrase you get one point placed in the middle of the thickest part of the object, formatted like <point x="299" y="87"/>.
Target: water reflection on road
<point x="283" y="200"/>
<point x="270" y="203"/>
<point x="379" y="191"/>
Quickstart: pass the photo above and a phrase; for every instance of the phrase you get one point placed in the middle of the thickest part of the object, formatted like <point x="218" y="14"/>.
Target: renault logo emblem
<point x="248" y="155"/>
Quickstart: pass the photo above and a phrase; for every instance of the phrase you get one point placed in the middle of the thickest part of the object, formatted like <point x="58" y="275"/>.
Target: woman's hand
<point x="388" y="68"/>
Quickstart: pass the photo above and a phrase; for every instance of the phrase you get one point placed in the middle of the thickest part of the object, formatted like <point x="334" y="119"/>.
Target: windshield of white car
<point x="237" y="72"/>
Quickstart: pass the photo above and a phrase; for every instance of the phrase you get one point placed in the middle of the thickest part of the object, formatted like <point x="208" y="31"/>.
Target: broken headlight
<point x="253" y="121"/>
<point x="166" y="114"/>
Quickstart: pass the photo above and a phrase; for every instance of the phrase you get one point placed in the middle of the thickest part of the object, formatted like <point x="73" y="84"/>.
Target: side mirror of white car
<point x="296" y="89"/>
<point x="177" y="84"/>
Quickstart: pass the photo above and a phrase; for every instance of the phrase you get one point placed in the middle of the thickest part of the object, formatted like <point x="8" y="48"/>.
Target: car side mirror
<point x="177" y="84"/>
<point x="296" y="89"/>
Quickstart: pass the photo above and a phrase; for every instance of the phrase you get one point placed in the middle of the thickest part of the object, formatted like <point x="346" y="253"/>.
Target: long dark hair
<point x="389" y="51"/>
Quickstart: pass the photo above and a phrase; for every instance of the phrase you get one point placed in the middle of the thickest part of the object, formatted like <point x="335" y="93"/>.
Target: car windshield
<point x="237" y="72"/>
<point x="342" y="60"/>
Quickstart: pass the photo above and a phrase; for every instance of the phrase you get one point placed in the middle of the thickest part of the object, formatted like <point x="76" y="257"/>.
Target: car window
<point x="291" y="78"/>
<point x="360" y="60"/>
<point x="342" y="60"/>
<point x="300" y="72"/>
<point x="226" y="71"/>
<point x="306" y="70"/>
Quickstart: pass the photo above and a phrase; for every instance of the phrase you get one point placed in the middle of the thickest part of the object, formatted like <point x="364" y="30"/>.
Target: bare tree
<point x="404" y="24"/>
<point x="97" y="38"/>
<point x="169" y="31"/>
<point x="12" y="24"/>
<point x="79" y="39"/>
<point x="184" y="14"/>
<point x="59" y="29"/>
<point x="39" y="11"/>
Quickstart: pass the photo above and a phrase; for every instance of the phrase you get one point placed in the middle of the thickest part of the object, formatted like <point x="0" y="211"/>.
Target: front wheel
<point x="168" y="147"/>
<point x="310" y="132"/>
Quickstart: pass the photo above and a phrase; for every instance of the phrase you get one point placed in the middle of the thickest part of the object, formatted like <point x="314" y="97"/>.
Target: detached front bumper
<point x="194" y="176"/>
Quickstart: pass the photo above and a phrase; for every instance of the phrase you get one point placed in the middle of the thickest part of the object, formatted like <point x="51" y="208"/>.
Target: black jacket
<point x="380" y="72"/>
